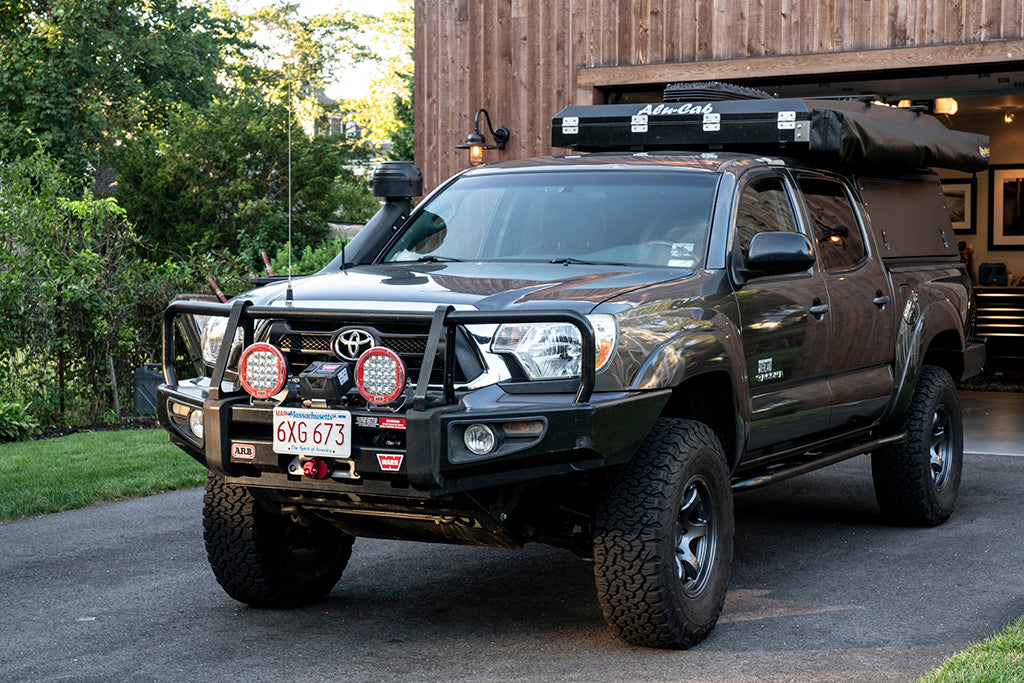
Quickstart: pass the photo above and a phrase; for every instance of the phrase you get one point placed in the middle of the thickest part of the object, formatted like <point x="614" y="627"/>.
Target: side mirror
<point x="779" y="253"/>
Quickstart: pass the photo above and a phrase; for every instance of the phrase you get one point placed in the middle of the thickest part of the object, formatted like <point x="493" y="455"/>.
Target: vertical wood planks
<point x="642" y="32"/>
<point x="955" y="21"/>
<point x="688" y="32"/>
<point x="772" y="29"/>
<point x="656" y="25"/>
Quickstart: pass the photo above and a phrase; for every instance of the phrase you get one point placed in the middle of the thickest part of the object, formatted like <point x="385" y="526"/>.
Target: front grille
<point x="405" y="344"/>
<point x="303" y="347"/>
<point x="306" y="343"/>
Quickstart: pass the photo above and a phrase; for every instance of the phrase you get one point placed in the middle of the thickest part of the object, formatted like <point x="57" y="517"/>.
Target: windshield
<point x="638" y="217"/>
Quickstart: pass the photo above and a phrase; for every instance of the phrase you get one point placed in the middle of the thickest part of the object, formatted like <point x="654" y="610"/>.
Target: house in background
<point x="524" y="60"/>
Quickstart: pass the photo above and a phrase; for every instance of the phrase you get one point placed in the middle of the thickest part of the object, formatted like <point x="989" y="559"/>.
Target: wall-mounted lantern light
<point x="476" y="143"/>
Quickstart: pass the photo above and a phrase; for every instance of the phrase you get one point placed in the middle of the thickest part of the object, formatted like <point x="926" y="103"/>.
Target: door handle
<point x="818" y="310"/>
<point x="880" y="300"/>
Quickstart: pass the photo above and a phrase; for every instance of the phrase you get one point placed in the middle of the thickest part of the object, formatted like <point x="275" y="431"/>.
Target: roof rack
<point x="847" y="131"/>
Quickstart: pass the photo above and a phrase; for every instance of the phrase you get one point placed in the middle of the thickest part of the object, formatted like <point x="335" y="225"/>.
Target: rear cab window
<point x="837" y="233"/>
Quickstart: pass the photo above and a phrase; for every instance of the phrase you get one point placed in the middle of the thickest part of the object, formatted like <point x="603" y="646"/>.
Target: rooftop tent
<point x="838" y="131"/>
<point x="854" y="133"/>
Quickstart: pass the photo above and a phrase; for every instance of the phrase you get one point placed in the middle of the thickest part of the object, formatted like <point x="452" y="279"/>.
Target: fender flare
<point x="699" y="351"/>
<point x="912" y="341"/>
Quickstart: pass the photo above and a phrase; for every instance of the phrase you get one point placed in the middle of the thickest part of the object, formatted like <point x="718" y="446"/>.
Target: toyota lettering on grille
<point x="350" y="344"/>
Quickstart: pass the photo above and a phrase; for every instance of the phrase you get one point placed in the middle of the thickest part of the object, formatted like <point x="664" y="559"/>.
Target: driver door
<point x="784" y="326"/>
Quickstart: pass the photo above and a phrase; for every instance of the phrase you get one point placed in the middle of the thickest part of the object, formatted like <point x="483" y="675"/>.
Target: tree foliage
<point x="308" y="260"/>
<point x="403" y="138"/>
<point x="188" y="101"/>
<point x="306" y="51"/>
<point x="81" y="308"/>
<point x="376" y="113"/>
<point x="79" y="75"/>
<point x="217" y="178"/>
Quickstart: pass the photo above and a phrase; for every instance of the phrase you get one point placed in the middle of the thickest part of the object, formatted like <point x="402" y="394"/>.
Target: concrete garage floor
<point x="993" y="422"/>
<point x="821" y="590"/>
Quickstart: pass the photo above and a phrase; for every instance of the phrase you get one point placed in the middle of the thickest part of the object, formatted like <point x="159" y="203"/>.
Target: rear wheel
<point x="917" y="481"/>
<point x="266" y="559"/>
<point x="663" y="538"/>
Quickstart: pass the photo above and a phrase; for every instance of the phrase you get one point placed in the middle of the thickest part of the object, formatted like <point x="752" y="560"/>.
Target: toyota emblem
<point x="350" y="343"/>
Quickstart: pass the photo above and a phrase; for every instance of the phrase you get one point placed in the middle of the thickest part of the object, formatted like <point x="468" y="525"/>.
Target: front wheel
<point x="917" y="481"/>
<point x="266" y="559"/>
<point x="663" y="538"/>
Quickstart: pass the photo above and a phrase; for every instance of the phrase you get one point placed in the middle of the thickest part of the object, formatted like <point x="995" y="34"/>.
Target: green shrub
<point x="310" y="259"/>
<point x="81" y="304"/>
<point x="16" y="424"/>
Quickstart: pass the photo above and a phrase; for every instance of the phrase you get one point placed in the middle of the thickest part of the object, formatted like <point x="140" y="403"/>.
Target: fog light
<point x="480" y="439"/>
<point x="195" y="422"/>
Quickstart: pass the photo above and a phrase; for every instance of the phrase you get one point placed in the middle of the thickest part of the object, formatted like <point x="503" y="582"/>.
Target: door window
<point x="763" y="207"/>
<point x="834" y="224"/>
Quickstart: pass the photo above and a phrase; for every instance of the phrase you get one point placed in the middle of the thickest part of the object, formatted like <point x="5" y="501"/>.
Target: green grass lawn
<point x="50" y="475"/>
<point x="1000" y="658"/>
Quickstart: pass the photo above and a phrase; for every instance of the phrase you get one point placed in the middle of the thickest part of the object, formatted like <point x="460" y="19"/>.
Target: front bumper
<point x="419" y="442"/>
<point x="601" y="432"/>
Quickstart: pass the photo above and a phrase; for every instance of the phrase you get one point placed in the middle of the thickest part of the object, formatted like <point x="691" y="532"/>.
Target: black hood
<point x="485" y="286"/>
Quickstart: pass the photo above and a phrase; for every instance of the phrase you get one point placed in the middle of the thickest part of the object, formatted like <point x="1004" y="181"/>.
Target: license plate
<point x="313" y="433"/>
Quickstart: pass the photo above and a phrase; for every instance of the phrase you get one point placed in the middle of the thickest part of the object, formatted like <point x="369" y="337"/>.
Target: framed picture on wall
<point x="960" y="195"/>
<point x="1006" y="207"/>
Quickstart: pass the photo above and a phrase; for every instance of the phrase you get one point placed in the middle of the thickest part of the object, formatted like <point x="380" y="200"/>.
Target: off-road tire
<point x="675" y="483"/>
<point x="711" y="91"/>
<point x="917" y="481"/>
<point x="265" y="559"/>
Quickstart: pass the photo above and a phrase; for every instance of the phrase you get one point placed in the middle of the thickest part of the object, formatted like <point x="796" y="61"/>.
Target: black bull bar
<point x="443" y="322"/>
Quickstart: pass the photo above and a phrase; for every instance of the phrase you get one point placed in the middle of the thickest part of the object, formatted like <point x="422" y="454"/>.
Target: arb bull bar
<point x="443" y="322"/>
<point x="583" y="432"/>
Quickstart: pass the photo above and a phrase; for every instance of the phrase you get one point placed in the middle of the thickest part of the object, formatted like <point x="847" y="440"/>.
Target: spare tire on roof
<point x="711" y="91"/>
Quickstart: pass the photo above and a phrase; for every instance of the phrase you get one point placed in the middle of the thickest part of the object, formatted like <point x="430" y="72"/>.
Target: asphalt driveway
<point x="821" y="590"/>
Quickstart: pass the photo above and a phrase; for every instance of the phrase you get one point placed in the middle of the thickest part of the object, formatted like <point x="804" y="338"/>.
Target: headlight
<point x="213" y="337"/>
<point x="552" y="350"/>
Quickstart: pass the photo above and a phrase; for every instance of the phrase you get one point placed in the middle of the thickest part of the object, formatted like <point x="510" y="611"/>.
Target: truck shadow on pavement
<point x="495" y="593"/>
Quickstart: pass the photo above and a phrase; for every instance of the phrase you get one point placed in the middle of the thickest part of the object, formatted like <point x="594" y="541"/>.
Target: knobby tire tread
<point x="245" y="552"/>
<point x="901" y="473"/>
<point x="636" y="515"/>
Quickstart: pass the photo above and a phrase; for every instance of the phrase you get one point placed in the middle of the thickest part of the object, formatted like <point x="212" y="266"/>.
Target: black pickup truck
<point x="596" y="351"/>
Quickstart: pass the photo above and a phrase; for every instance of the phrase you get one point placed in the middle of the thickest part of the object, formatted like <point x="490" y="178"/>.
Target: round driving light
<point x="480" y="439"/>
<point x="262" y="370"/>
<point x="195" y="422"/>
<point x="380" y="375"/>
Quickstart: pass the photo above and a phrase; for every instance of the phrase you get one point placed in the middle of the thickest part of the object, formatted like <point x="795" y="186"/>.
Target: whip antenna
<point x="288" y="294"/>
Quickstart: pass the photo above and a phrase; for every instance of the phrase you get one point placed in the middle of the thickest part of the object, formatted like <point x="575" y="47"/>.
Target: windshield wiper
<point x="433" y="258"/>
<point x="566" y="260"/>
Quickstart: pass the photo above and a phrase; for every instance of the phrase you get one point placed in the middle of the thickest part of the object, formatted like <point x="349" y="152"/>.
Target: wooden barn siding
<point x="522" y="59"/>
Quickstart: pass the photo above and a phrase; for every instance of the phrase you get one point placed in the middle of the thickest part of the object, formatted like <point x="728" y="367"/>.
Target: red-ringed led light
<point x="262" y="370"/>
<point x="380" y="375"/>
